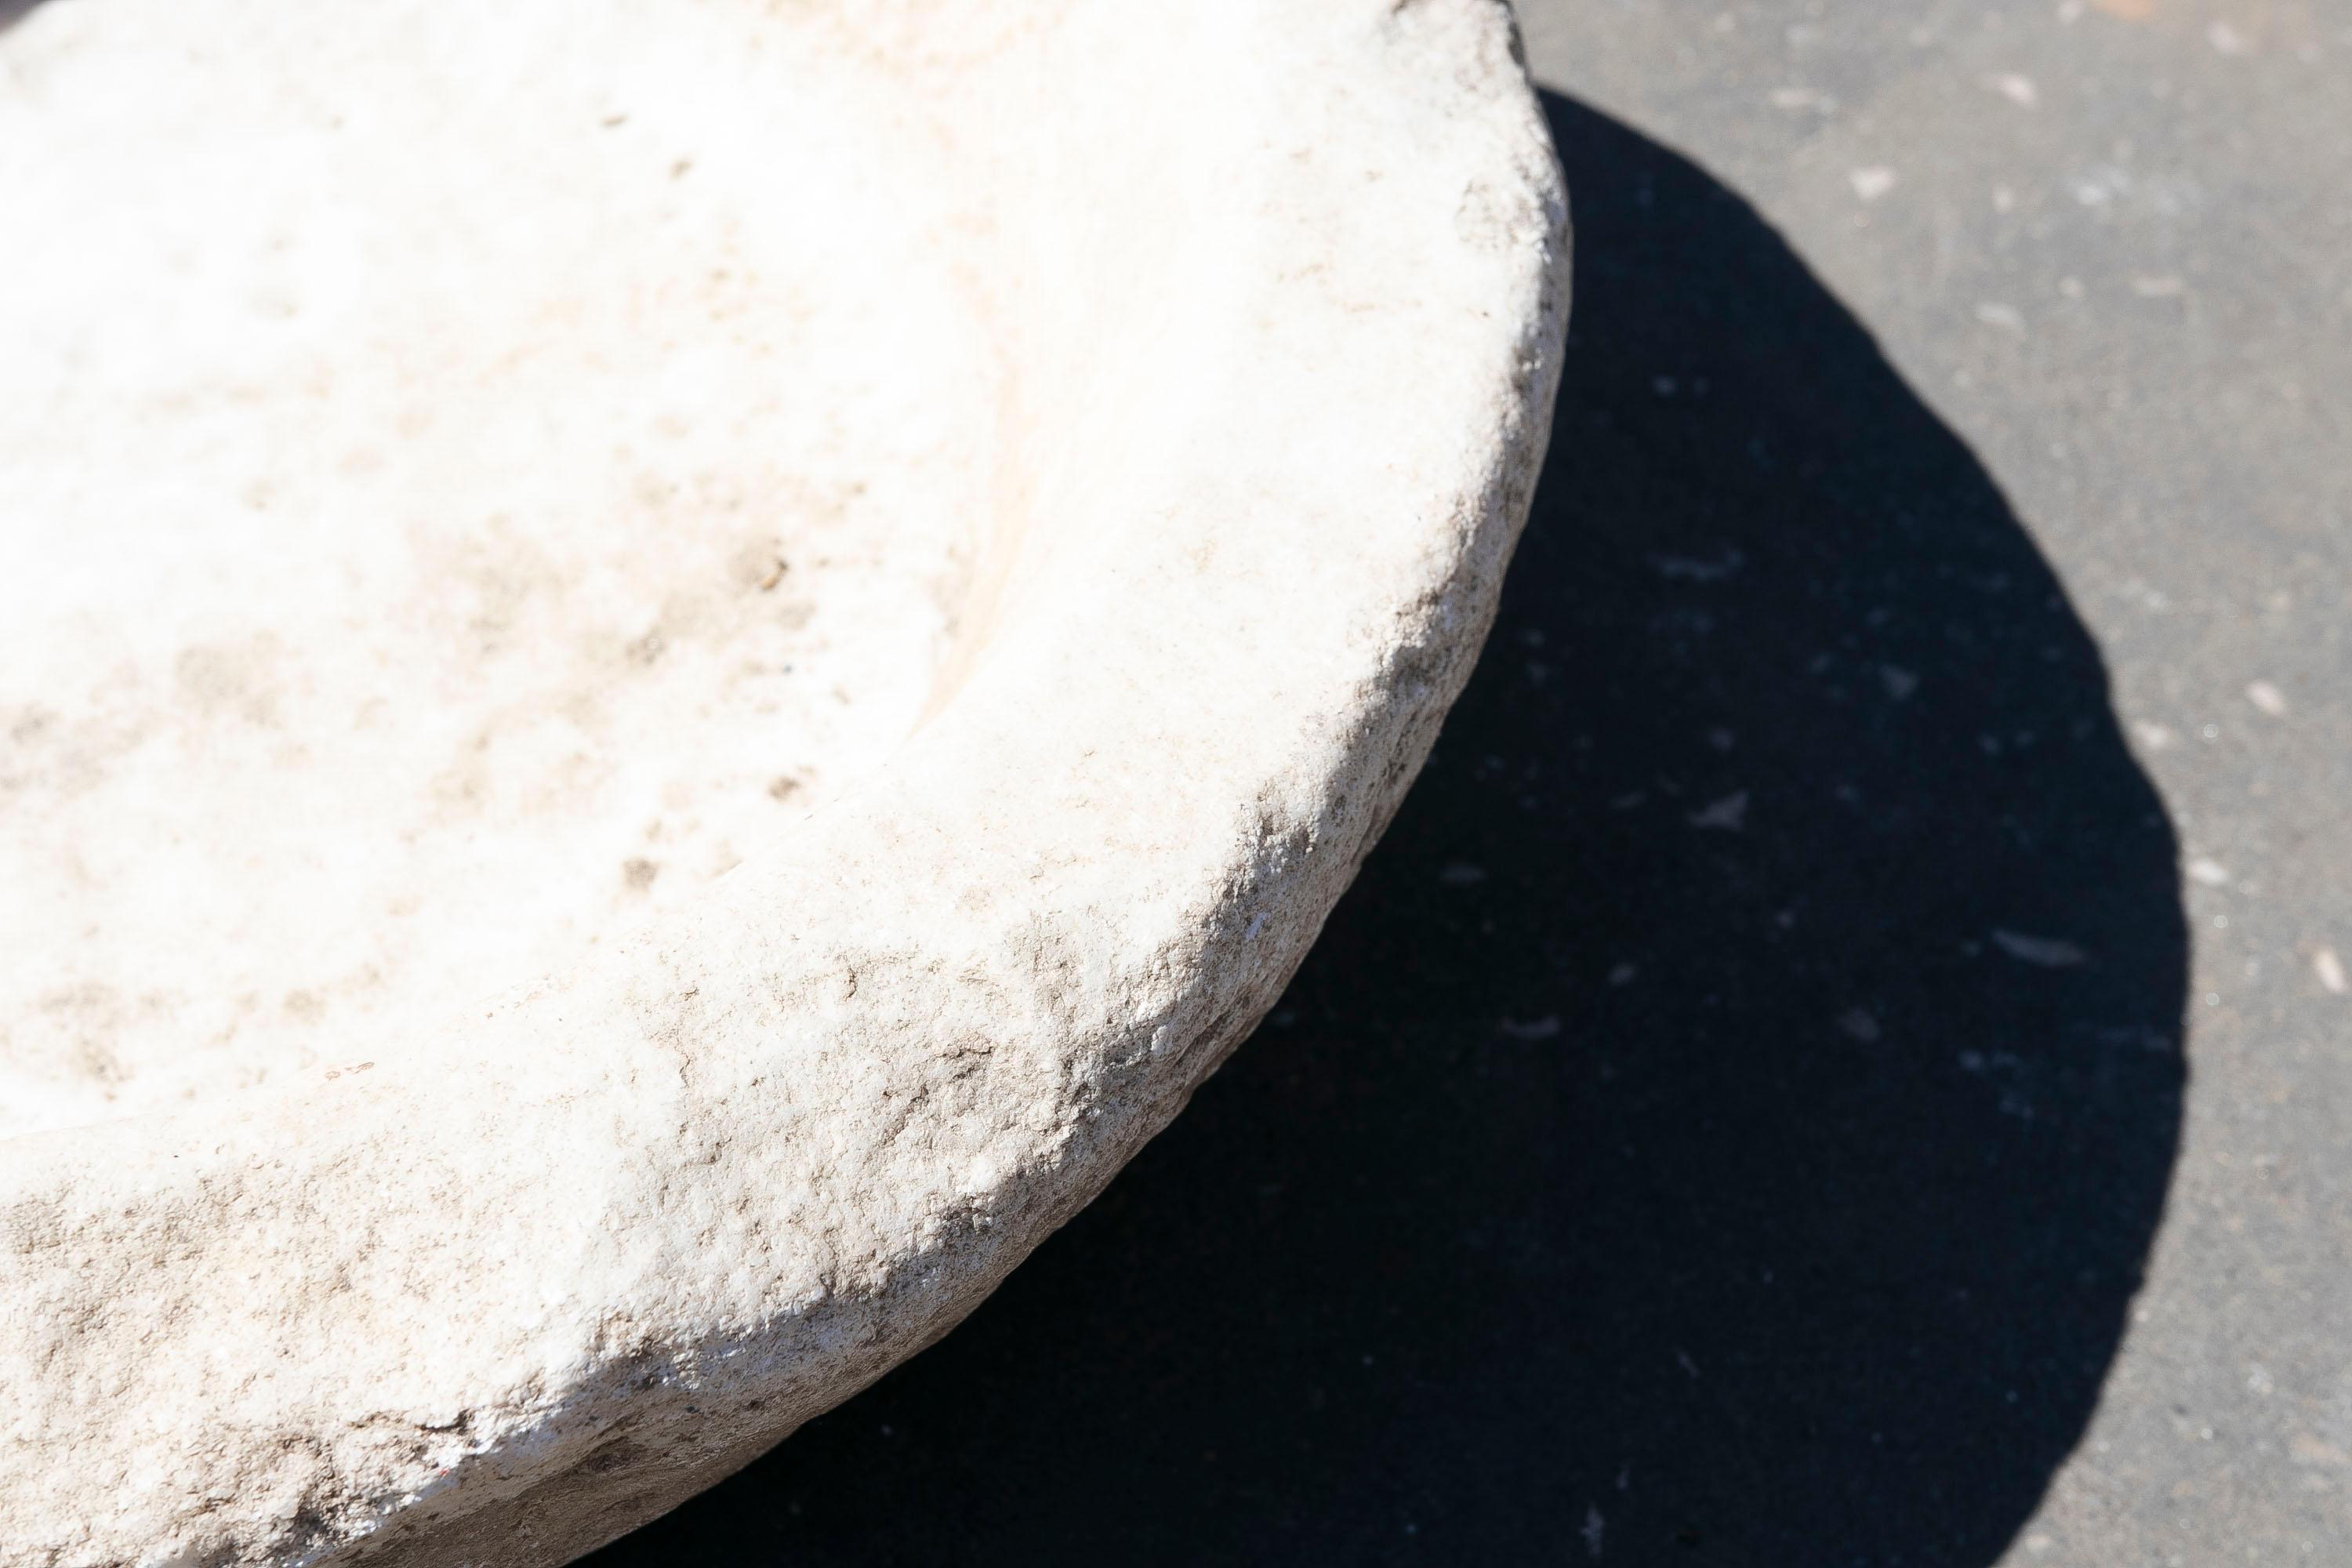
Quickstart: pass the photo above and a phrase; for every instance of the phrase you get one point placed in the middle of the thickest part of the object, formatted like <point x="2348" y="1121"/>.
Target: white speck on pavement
<point x="2047" y="953"/>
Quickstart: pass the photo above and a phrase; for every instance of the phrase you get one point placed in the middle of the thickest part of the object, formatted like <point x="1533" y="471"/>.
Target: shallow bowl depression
<point x="458" y="503"/>
<point x="667" y="671"/>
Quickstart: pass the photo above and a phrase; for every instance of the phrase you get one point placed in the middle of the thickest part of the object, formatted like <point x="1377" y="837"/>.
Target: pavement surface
<point x="1845" y="1057"/>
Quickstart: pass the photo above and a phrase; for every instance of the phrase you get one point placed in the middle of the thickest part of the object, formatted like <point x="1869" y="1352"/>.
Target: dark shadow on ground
<point x="1726" y="1123"/>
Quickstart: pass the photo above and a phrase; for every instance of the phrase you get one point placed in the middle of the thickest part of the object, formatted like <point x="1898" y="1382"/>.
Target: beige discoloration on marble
<point x="1236" y="335"/>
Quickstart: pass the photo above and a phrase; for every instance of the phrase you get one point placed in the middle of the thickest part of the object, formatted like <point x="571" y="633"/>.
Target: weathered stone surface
<point x="863" y="574"/>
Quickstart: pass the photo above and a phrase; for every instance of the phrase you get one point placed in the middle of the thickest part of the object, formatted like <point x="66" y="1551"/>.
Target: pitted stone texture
<point x="1255" y="308"/>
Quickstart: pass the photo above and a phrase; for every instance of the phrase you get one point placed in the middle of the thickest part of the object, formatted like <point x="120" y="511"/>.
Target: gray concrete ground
<point x="2107" y="241"/>
<point x="1846" y="1057"/>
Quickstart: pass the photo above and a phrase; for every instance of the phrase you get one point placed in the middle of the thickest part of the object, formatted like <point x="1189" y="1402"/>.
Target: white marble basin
<point x="667" y="672"/>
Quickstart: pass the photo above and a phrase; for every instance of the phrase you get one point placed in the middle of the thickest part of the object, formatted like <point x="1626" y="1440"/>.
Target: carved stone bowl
<point x="667" y="671"/>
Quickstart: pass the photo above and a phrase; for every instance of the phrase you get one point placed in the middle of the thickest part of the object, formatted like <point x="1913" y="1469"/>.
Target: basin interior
<point x="468" y="476"/>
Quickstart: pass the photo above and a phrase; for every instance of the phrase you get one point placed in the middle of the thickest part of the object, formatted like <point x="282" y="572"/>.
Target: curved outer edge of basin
<point x="582" y="1254"/>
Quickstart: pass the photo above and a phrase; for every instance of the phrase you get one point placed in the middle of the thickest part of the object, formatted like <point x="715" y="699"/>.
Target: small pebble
<point x="2330" y="970"/>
